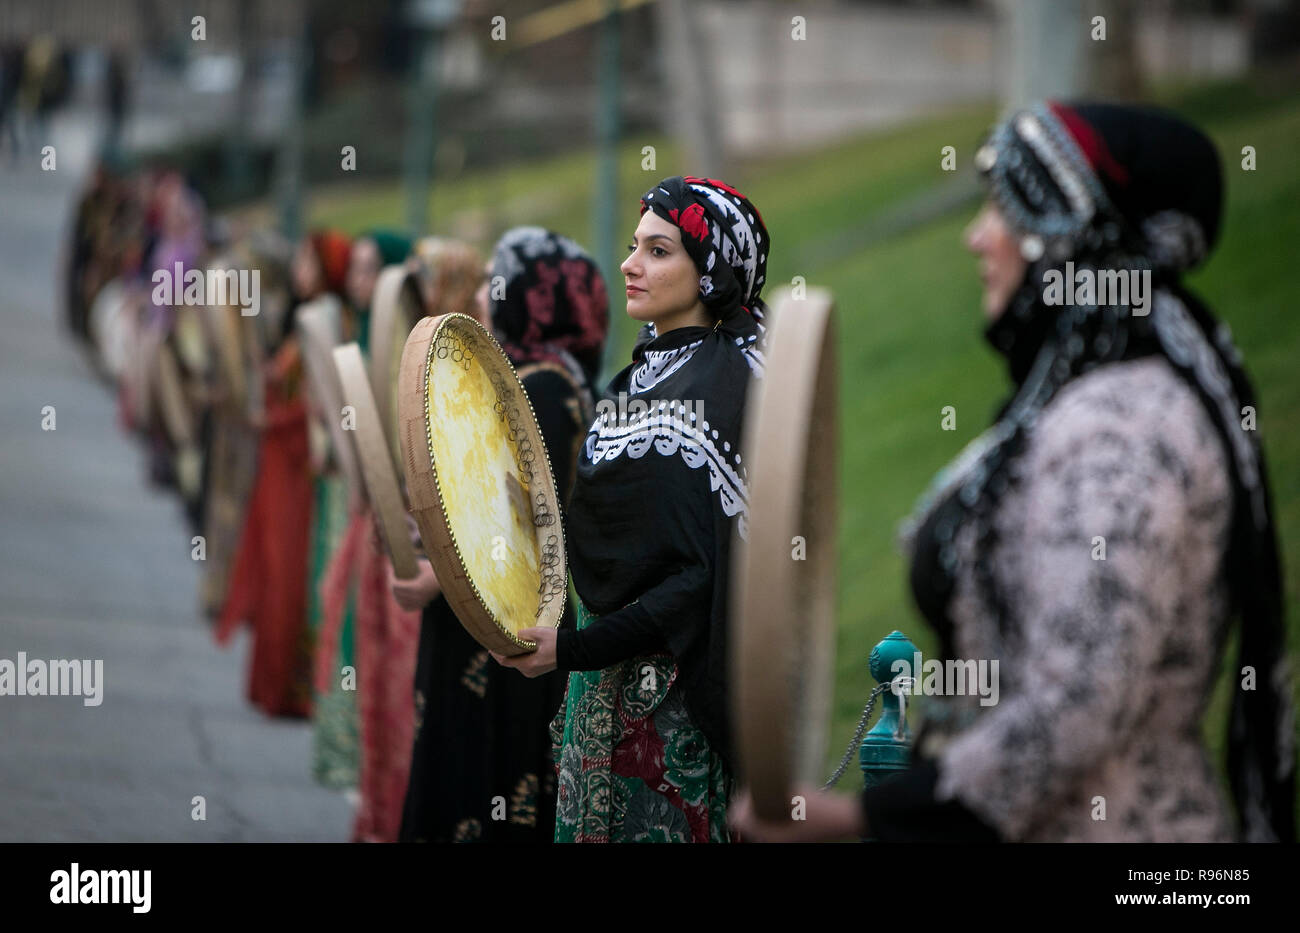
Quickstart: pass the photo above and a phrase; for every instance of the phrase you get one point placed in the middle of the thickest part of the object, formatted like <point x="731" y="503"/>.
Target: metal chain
<point x="857" y="736"/>
<point x="901" y="687"/>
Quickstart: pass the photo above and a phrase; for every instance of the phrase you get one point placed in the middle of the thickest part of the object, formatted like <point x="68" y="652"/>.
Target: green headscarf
<point x="393" y="246"/>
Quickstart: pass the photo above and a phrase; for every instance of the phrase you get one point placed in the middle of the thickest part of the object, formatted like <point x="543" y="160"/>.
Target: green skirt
<point x="336" y="745"/>
<point x="632" y="765"/>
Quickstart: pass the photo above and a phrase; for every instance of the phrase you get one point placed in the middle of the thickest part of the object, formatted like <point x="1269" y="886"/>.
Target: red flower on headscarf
<point x="722" y="186"/>
<point x="693" y="222"/>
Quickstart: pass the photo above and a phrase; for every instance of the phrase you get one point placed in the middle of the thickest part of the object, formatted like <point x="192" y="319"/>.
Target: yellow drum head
<point x="480" y="482"/>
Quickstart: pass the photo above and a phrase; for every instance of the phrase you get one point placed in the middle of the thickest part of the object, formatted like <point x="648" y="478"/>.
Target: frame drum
<point x="177" y="417"/>
<point x="376" y="464"/>
<point x="319" y="326"/>
<point x="480" y="483"/>
<point x="395" y="309"/>
<point x="783" y="607"/>
<point x="111" y="325"/>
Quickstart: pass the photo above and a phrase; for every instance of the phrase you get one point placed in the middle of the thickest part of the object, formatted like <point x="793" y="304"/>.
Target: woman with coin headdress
<point x="1101" y="536"/>
<point x="643" y="743"/>
<point x="481" y="732"/>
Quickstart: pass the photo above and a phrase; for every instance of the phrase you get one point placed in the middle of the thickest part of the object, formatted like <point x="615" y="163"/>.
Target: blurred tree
<point x="1113" y="68"/>
<point x="692" y="111"/>
<point x="1044" y="42"/>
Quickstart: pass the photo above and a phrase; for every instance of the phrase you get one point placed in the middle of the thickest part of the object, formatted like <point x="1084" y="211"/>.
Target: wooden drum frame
<point x="498" y="446"/>
<point x="782" y="636"/>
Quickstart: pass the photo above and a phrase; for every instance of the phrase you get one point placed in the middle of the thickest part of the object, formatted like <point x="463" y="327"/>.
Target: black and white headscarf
<point x="661" y="483"/>
<point x="1111" y="187"/>
<point x="723" y="233"/>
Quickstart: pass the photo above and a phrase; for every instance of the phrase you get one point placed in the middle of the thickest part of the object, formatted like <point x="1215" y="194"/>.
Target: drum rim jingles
<point x="792" y="474"/>
<point x="426" y="498"/>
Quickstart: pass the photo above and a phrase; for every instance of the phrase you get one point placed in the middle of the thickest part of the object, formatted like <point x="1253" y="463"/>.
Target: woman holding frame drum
<point x="1100" y="537"/>
<point x="481" y="732"/>
<point x="643" y="742"/>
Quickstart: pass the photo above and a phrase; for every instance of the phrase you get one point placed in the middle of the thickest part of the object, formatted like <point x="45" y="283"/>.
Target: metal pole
<point x="429" y="18"/>
<point x="421" y="134"/>
<point x="886" y="749"/>
<point x="692" y="88"/>
<point x="237" y="152"/>
<point x="289" y="161"/>
<point x="1043" y="60"/>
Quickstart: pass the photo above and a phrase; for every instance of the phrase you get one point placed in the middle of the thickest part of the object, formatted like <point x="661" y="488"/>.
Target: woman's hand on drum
<point x="815" y="816"/>
<point x="534" y="663"/>
<point x="414" y="594"/>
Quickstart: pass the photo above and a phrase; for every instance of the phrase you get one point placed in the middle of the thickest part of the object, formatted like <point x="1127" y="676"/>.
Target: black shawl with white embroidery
<point x="660" y="481"/>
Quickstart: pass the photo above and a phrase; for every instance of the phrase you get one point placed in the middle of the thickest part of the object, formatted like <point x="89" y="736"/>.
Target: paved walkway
<point x="96" y="564"/>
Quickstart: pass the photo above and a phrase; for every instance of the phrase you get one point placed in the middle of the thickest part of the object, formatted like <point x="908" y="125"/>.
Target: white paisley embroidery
<point x="659" y="365"/>
<point x="667" y="434"/>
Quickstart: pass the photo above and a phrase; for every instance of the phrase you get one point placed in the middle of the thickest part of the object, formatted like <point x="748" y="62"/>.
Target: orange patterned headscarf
<point x="449" y="272"/>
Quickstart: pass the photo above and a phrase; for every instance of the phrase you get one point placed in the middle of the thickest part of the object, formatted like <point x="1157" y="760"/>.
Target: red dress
<point x="268" y="587"/>
<point x="387" y="639"/>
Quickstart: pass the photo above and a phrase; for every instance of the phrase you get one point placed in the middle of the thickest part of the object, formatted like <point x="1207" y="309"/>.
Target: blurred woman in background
<point x="371" y="252"/>
<point x="355" y="583"/>
<point x="269" y="586"/>
<point x="1100" y="537"/>
<point x="238" y="350"/>
<point x="481" y="731"/>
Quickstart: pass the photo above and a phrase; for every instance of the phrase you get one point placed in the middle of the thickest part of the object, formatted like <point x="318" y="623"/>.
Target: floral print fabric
<point x="632" y="766"/>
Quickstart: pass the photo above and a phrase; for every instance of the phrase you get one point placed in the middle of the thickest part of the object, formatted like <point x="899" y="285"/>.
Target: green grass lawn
<point x="909" y="320"/>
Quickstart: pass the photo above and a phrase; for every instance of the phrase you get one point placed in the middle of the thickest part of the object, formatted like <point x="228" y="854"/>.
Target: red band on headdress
<point x="1091" y="144"/>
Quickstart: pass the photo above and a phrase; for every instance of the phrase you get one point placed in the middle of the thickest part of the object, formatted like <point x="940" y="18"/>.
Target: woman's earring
<point x="1031" y="247"/>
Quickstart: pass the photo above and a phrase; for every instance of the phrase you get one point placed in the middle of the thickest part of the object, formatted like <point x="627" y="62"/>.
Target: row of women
<point x="1117" y="425"/>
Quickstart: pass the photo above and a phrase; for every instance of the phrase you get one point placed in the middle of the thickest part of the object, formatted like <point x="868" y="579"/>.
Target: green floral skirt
<point x="632" y="765"/>
<point x="336" y="740"/>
